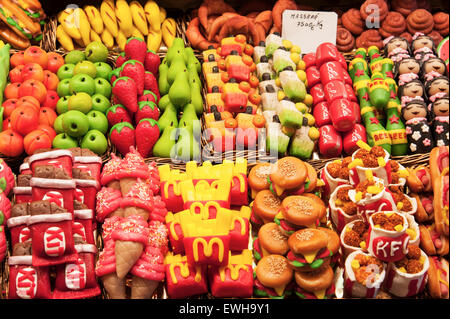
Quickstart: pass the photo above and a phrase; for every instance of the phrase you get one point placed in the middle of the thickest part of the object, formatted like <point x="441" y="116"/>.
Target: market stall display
<point x="147" y="154"/>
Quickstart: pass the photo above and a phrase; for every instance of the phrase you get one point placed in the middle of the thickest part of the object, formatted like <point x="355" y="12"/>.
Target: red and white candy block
<point x="338" y="216"/>
<point x="89" y="164"/>
<point x="86" y="191"/>
<point x="388" y="245"/>
<point x="331" y="183"/>
<point x="23" y="194"/>
<point x="354" y="288"/>
<point x="27" y="281"/>
<point x="57" y="158"/>
<point x="58" y="191"/>
<point x="402" y="284"/>
<point x="52" y="239"/>
<point x="19" y="230"/>
<point x="83" y="225"/>
<point x="76" y="280"/>
<point x="25" y="169"/>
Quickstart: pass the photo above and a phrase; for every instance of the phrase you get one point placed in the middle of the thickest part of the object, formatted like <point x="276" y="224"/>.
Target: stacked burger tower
<point x="378" y="232"/>
<point x="285" y="103"/>
<point x="133" y="231"/>
<point x="376" y="89"/>
<point x="52" y="226"/>
<point x="295" y="250"/>
<point x="208" y="230"/>
<point x="335" y="106"/>
<point x="232" y="99"/>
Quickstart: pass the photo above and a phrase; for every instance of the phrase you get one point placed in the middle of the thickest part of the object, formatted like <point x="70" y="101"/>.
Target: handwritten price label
<point x="308" y="29"/>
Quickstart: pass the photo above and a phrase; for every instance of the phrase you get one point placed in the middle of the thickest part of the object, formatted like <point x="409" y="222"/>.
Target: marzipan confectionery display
<point x="216" y="149"/>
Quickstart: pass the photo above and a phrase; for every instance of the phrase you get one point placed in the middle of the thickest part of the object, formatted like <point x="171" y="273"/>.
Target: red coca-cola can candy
<point x="350" y="138"/>
<point x="318" y="94"/>
<point x="326" y="52"/>
<point x="357" y="111"/>
<point x="342" y="115"/>
<point x="331" y="71"/>
<point x="313" y="76"/>
<point x="310" y="60"/>
<point x="347" y="79"/>
<point x="321" y="114"/>
<point x="350" y="92"/>
<point x="335" y="90"/>
<point x="330" y="141"/>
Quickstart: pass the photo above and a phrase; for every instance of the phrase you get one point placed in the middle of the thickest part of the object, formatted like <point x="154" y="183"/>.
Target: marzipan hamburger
<point x="273" y="277"/>
<point x="258" y="178"/>
<point x="270" y="241"/>
<point x="315" y="284"/>
<point x="266" y="206"/>
<point x="288" y="173"/>
<point x="310" y="249"/>
<point x="297" y="212"/>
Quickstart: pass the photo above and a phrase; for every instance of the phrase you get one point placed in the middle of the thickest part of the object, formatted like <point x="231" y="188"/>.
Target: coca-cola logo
<point x="325" y="133"/>
<point x="75" y="275"/>
<point x="332" y="71"/>
<point x="54" y="241"/>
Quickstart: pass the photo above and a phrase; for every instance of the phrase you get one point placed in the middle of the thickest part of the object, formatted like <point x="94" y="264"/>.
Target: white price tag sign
<point x="308" y="29"/>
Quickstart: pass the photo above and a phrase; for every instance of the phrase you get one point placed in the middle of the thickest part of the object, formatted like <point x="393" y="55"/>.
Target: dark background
<point x="52" y="7"/>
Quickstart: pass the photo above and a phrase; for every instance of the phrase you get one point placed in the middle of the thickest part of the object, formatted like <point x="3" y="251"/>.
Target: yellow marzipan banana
<point x="95" y="37"/>
<point x="168" y="30"/>
<point x="121" y="40"/>
<point x="95" y="19"/>
<point x="124" y="18"/>
<point x="162" y="14"/>
<point x="80" y="43"/>
<point x="64" y="38"/>
<point x="107" y="39"/>
<point x="139" y="19"/>
<point x="137" y="34"/>
<point x="84" y="25"/>
<point x="107" y="11"/>
<point x="154" y="40"/>
<point x="152" y="13"/>
<point x="69" y="23"/>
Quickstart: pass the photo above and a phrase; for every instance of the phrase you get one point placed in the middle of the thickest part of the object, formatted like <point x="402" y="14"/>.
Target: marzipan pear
<point x="164" y="147"/>
<point x="180" y="91"/>
<point x="169" y="116"/>
<point x="163" y="85"/>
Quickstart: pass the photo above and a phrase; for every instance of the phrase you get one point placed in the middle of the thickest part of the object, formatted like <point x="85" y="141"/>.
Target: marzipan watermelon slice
<point x="442" y="50"/>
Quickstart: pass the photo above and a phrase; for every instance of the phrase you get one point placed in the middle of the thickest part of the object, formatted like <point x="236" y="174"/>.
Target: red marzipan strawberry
<point x="116" y="114"/>
<point x="122" y="136"/>
<point x="147" y="133"/>
<point x="152" y="62"/>
<point x="121" y="59"/>
<point x="136" y="71"/>
<point x="148" y="96"/>
<point x="124" y="89"/>
<point x="136" y="49"/>
<point x="114" y="75"/>
<point x="146" y="110"/>
<point x="151" y="83"/>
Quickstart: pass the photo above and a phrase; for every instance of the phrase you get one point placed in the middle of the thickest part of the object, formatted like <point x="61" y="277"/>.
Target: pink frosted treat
<point x="153" y="179"/>
<point x="138" y="200"/>
<point x="159" y="211"/>
<point x="158" y="237"/>
<point x="132" y="168"/>
<point x="109" y="226"/>
<point x="130" y="238"/>
<point x="108" y="176"/>
<point x="6" y="178"/>
<point x="108" y="203"/>
<point x="106" y="270"/>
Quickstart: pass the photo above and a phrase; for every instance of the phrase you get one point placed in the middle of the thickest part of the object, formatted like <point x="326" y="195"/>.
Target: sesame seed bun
<point x="257" y="178"/>
<point x="307" y="240"/>
<point x="315" y="280"/>
<point x="266" y="205"/>
<point x="273" y="271"/>
<point x="289" y="172"/>
<point x="301" y="210"/>
<point x="334" y="241"/>
<point x="272" y="239"/>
